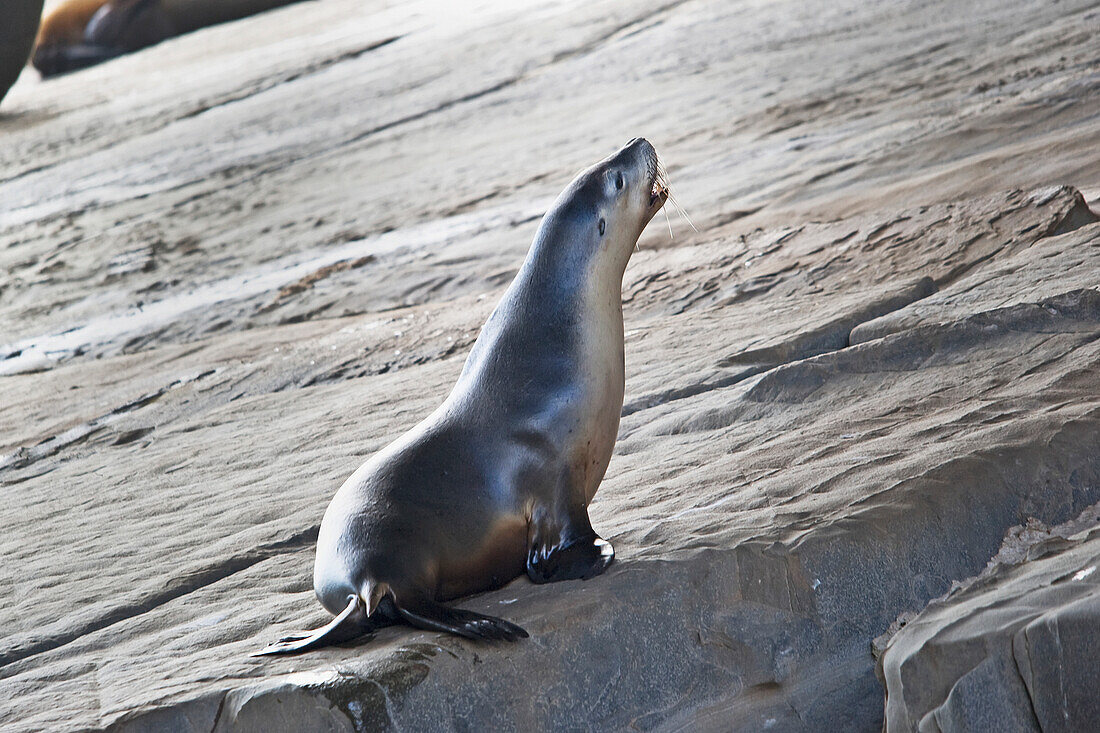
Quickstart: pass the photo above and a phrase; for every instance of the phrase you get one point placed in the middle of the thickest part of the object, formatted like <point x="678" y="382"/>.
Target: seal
<point x="62" y="28"/>
<point x="81" y="33"/>
<point x="497" y="481"/>
<point x="17" y="30"/>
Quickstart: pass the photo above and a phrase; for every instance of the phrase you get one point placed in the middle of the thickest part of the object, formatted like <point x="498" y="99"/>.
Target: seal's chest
<point x="600" y="430"/>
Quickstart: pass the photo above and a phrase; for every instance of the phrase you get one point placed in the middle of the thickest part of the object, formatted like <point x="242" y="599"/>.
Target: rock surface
<point x="1014" y="649"/>
<point x="239" y="262"/>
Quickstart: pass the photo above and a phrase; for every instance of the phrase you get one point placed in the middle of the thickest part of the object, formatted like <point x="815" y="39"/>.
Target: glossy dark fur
<point x="497" y="481"/>
<point x="114" y="28"/>
<point x="82" y="33"/>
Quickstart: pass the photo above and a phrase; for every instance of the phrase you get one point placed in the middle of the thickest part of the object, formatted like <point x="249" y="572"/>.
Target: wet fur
<point x="82" y="33"/>
<point x="498" y="479"/>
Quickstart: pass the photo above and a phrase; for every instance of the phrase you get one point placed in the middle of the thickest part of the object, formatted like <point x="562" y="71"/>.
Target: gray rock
<point x="1015" y="649"/>
<point x="877" y="353"/>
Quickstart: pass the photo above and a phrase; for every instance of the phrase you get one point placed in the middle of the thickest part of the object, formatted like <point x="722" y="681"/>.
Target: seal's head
<point x="631" y="188"/>
<point x="603" y="211"/>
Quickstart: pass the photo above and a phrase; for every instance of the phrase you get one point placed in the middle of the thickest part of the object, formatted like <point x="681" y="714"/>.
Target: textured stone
<point x="1014" y="649"/>
<point x="239" y="262"/>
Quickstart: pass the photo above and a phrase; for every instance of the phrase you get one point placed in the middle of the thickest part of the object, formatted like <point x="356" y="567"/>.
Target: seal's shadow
<point x="14" y="121"/>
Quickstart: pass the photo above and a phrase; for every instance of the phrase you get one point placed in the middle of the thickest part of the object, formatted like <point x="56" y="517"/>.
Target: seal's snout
<point x="641" y="147"/>
<point x="641" y="153"/>
<point x="646" y="156"/>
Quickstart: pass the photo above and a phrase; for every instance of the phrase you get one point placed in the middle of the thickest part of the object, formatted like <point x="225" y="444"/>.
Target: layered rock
<point x="1014" y="649"/>
<point x="877" y="353"/>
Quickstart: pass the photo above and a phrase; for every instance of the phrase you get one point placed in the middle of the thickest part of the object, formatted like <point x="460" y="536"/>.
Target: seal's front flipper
<point x="345" y="627"/>
<point x="55" y="60"/>
<point x="425" y="614"/>
<point x="579" y="558"/>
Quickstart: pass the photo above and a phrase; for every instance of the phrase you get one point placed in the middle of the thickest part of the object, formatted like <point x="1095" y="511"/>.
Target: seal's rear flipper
<point x="577" y="559"/>
<point x="345" y="627"/>
<point x="56" y="60"/>
<point x="425" y="614"/>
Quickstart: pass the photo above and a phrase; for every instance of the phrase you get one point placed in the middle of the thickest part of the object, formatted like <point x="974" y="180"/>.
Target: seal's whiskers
<point x="681" y="212"/>
<point x="661" y="185"/>
<point x="662" y="175"/>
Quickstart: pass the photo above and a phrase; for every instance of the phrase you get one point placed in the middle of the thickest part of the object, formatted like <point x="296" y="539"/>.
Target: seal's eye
<point x="603" y="226"/>
<point x="619" y="182"/>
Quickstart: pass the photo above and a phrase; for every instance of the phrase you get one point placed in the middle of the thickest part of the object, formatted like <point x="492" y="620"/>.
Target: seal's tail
<point x="354" y="621"/>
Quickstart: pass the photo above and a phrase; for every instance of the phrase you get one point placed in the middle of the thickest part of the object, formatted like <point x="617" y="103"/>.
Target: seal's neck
<point x="561" y="272"/>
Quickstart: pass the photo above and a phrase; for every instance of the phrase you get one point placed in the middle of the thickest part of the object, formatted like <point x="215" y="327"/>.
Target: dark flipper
<point x="345" y="627"/>
<point x="579" y="558"/>
<point x="129" y="25"/>
<point x="425" y="614"/>
<point x="115" y="29"/>
<point x="561" y="544"/>
<point x="54" y="60"/>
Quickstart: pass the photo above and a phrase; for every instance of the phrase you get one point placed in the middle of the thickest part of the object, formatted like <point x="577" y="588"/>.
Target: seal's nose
<point x="637" y="152"/>
<point x="639" y="146"/>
